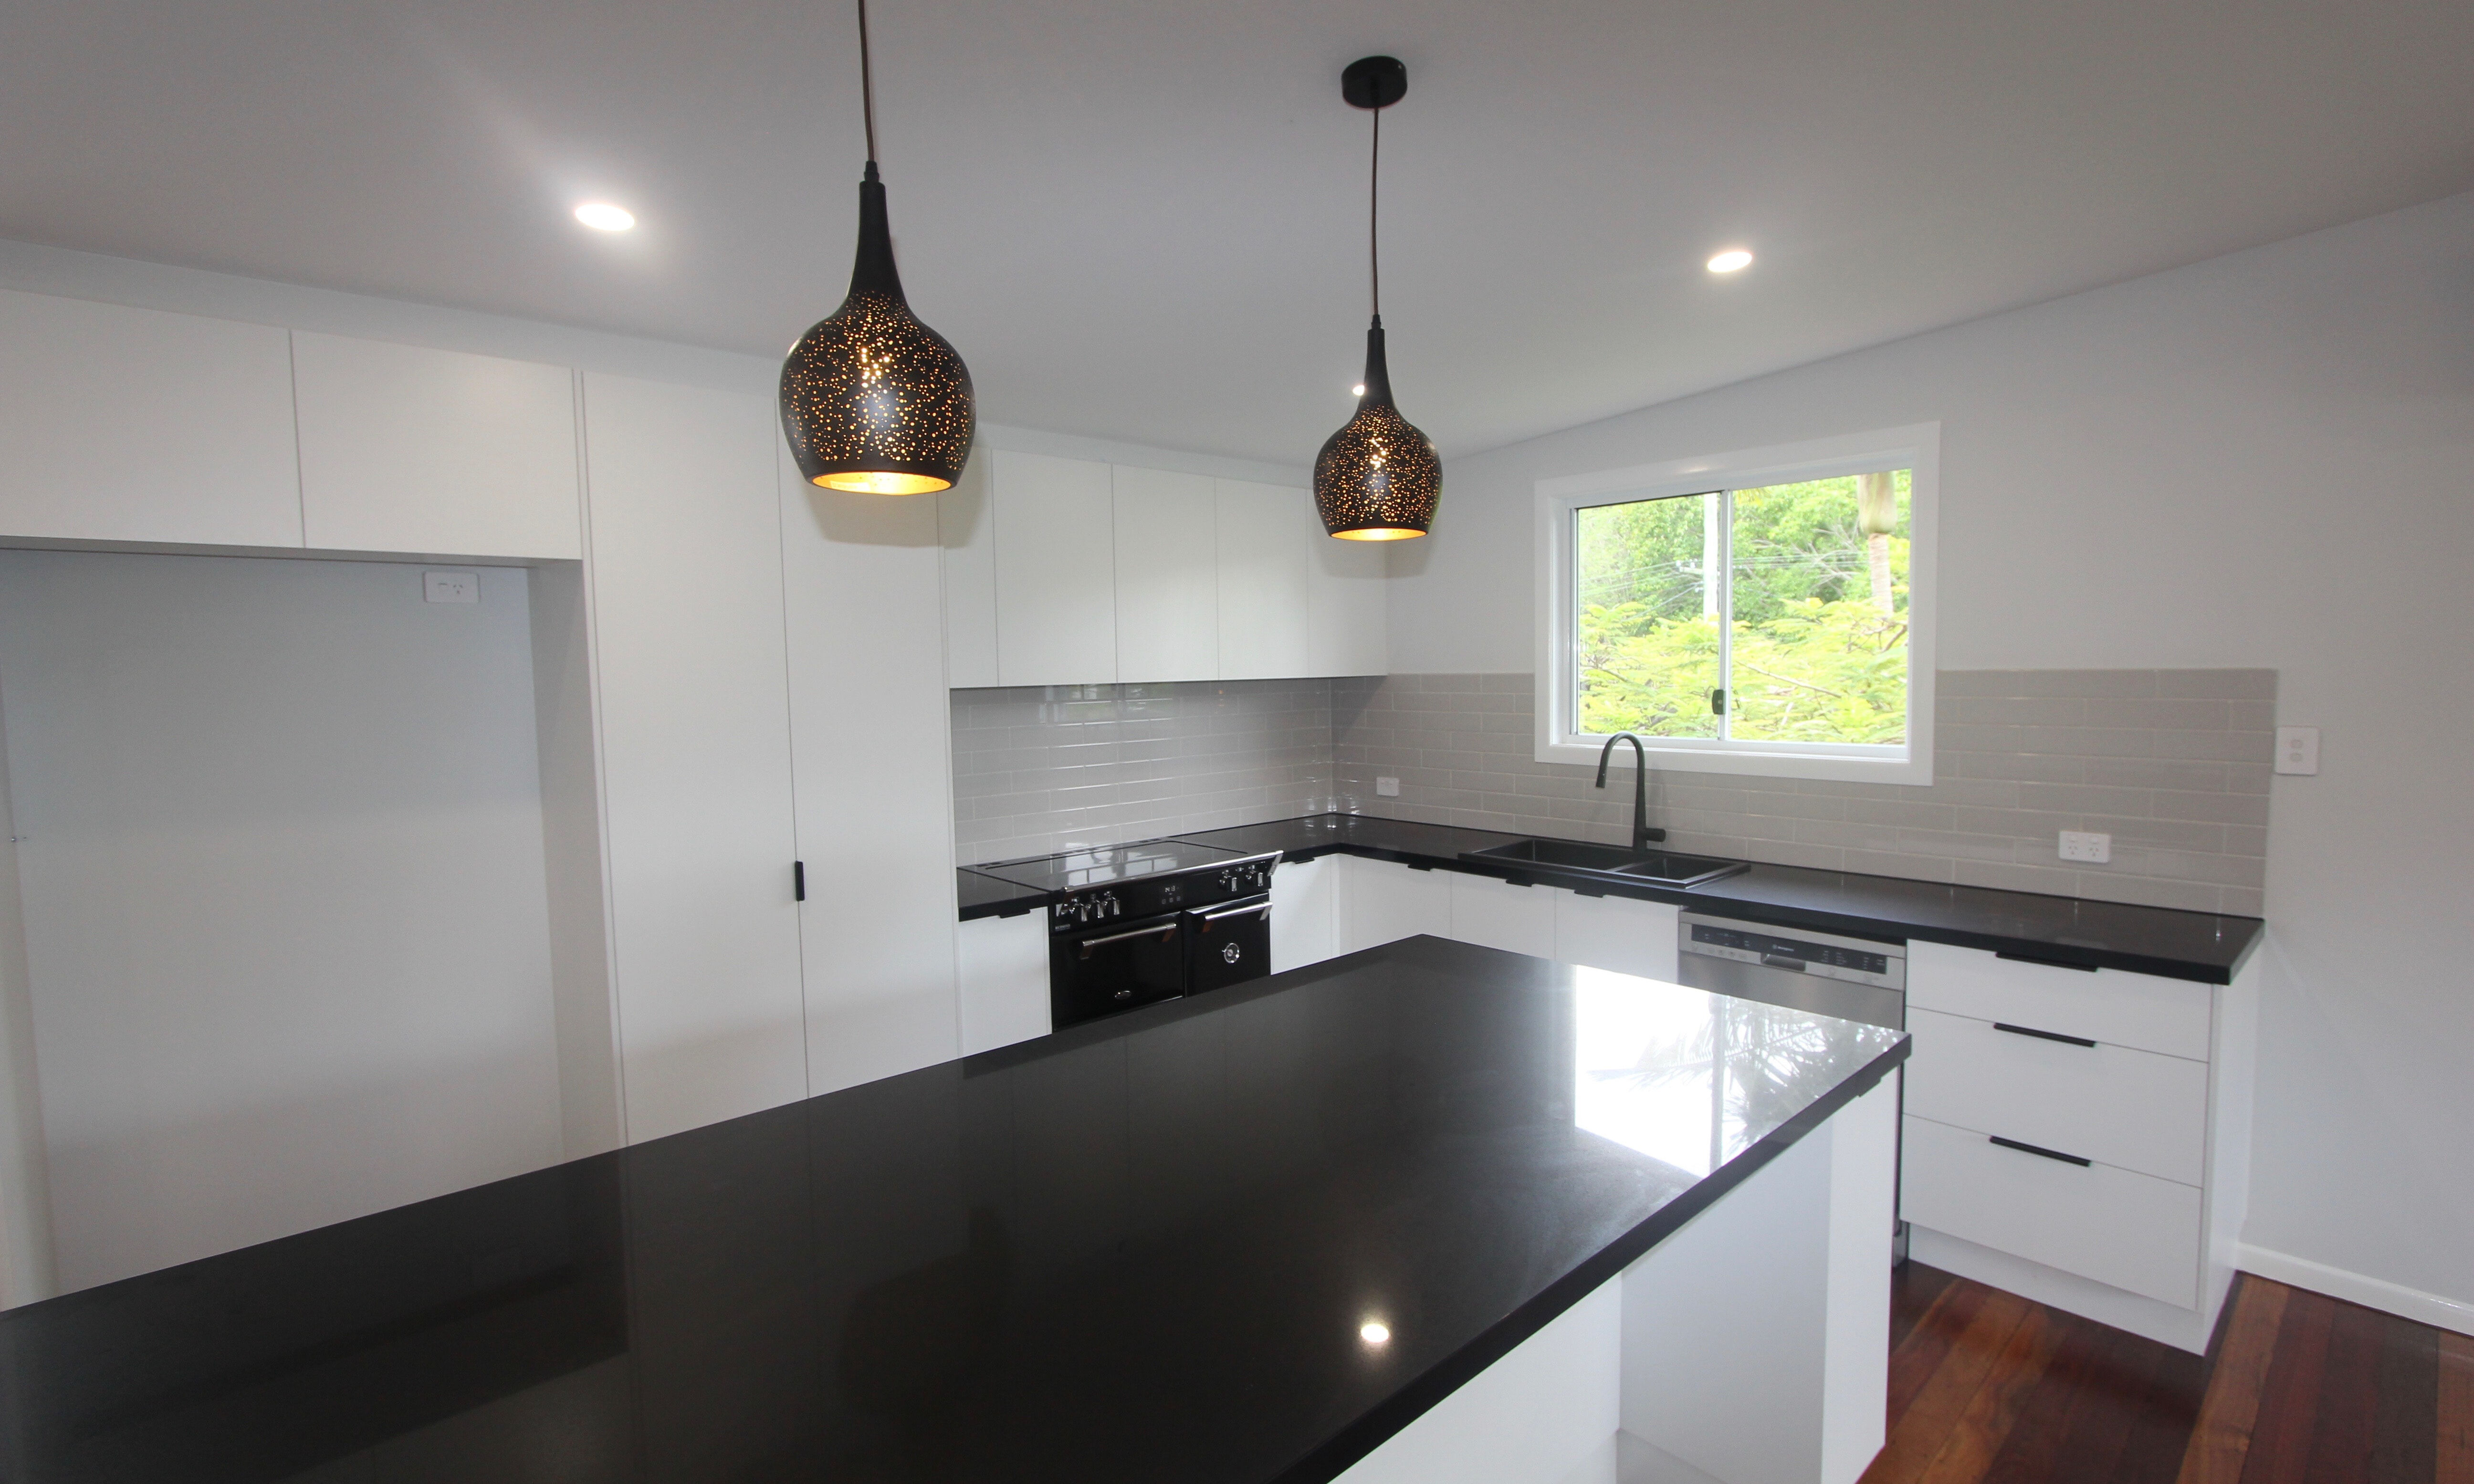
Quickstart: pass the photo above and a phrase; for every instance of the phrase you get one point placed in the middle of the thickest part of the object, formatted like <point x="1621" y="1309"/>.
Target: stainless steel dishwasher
<point x="1851" y="978"/>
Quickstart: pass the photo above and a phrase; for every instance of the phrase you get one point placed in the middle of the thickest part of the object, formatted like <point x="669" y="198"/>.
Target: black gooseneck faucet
<point x="1641" y="833"/>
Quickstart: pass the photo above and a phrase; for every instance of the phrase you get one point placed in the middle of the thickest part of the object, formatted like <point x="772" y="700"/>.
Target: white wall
<point x="2262" y="460"/>
<point x="283" y="870"/>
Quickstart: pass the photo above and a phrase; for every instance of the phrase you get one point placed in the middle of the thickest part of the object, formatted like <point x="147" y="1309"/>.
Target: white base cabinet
<point x="1340" y="904"/>
<point x="1494" y="913"/>
<point x="1619" y="934"/>
<point x="1004" y="968"/>
<point x="2082" y="1138"/>
<point x="1382" y="902"/>
<point x="1305" y="911"/>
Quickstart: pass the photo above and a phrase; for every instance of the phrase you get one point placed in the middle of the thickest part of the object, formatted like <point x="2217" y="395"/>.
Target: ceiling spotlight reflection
<point x="1729" y="260"/>
<point x="1374" y="1332"/>
<point x="602" y="216"/>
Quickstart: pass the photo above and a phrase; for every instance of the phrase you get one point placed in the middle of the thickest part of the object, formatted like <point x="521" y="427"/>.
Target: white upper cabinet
<point x="967" y="528"/>
<point x="695" y="734"/>
<point x="1346" y="608"/>
<point x="875" y="794"/>
<point x="1168" y="597"/>
<point x="134" y="425"/>
<point x="1265" y="551"/>
<point x="1068" y="571"/>
<point x="406" y="448"/>
<point x="1055" y="570"/>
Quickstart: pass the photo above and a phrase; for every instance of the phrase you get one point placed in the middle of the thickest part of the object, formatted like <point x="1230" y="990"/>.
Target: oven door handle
<point x="1165" y="934"/>
<point x="1263" y="908"/>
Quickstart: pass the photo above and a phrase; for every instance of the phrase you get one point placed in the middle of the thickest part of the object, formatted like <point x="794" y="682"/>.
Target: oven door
<point x="1227" y="944"/>
<point x="1101" y="970"/>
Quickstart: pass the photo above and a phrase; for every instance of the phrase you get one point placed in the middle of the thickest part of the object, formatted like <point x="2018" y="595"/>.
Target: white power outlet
<point x="2082" y="846"/>
<point x="451" y="587"/>
<point x="1387" y="788"/>
<point x="2297" y="750"/>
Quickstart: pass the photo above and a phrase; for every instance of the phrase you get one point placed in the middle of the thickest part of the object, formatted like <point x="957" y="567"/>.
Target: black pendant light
<point x="1377" y="477"/>
<point x="871" y="398"/>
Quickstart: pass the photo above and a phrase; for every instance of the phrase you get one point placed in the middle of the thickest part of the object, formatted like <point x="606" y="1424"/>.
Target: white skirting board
<point x="2373" y="1293"/>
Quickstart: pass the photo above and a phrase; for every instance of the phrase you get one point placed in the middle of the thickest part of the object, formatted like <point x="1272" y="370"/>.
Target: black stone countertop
<point x="2206" y="947"/>
<point x="1141" y="1248"/>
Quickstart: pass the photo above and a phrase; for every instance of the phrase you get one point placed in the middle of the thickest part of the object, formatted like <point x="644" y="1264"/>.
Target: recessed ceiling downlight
<point x="1731" y="260"/>
<point x="602" y="216"/>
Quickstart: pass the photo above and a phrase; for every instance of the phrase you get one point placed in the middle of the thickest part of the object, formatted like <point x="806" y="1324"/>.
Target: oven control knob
<point x="1124" y="994"/>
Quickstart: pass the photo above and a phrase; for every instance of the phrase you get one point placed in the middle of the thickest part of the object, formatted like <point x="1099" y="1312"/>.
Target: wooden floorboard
<point x="2453" y="1435"/>
<point x="2223" y="1439"/>
<point x="1988" y="1388"/>
<point x="2289" y="1410"/>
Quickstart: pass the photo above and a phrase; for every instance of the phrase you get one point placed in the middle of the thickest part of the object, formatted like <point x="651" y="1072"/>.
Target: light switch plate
<point x="451" y="587"/>
<point x="2297" y="750"/>
<point x="2084" y="845"/>
<point x="1387" y="788"/>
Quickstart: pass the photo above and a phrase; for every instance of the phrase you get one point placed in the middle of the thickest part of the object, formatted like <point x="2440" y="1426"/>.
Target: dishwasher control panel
<point x="1835" y="958"/>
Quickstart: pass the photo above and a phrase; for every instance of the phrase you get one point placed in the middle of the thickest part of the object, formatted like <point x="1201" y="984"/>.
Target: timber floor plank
<point x="2454" y="1435"/>
<point x="1989" y="1388"/>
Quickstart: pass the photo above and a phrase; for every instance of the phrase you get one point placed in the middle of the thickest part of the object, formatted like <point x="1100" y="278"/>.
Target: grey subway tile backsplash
<point x="1041" y="770"/>
<point x="2175" y="764"/>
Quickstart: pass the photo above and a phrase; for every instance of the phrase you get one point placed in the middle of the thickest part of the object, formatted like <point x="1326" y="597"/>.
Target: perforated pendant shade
<point x="1379" y="478"/>
<point x="872" y="400"/>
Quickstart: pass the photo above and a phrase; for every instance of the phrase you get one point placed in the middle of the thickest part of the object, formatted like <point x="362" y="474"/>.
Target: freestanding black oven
<point x="1137" y="924"/>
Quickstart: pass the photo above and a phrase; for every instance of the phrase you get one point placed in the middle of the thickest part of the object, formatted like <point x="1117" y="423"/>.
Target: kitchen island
<point x="1426" y="1211"/>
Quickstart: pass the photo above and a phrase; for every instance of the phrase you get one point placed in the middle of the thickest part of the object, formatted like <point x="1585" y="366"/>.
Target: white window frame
<point x="1916" y="447"/>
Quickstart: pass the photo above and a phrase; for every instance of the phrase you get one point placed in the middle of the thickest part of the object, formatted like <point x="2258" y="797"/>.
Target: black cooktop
<point x="1108" y="865"/>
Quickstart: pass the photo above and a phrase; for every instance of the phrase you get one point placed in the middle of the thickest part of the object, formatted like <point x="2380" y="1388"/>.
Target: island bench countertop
<point x="1142" y="1248"/>
<point x="2204" y="947"/>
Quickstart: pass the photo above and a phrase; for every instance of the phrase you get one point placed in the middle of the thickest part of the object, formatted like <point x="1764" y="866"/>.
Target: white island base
<point x="1751" y="1347"/>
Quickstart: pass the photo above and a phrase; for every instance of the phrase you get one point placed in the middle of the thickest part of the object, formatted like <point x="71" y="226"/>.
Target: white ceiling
<point x="1144" y="219"/>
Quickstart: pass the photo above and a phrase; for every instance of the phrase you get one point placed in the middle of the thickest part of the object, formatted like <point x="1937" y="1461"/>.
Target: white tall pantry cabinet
<point x="869" y="753"/>
<point x="696" y="741"/>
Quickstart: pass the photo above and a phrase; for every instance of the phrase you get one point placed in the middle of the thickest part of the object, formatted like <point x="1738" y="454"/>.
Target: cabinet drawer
<point x="2111" y="1104"/>
<point x="2167" y="1016"/>
<point x="2115" y="1225"/>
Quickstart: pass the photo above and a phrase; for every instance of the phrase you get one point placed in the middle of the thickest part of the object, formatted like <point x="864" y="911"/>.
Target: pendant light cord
<point x="1374" y="214"/>
<point x="866" y="85"/>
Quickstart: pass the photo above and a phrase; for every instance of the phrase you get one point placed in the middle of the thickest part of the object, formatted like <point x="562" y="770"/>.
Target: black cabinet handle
<point x="2046" y="1036"/>
<point x="2051" y="963"/>
<point x="2047" y="1154"/>
<point x="798" y="881"/>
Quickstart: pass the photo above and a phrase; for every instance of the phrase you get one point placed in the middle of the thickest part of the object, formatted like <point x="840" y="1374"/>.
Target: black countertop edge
<point x="985" y="896"/>
<point x="1421" y="1395"/>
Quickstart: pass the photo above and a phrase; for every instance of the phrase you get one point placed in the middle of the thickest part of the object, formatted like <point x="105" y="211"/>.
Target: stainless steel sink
<point x="1658" y="867"/>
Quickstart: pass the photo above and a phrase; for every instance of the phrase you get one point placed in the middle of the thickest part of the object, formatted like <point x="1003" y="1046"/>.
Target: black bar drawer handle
<point x="2046" y="1036"/>
<point x="2049" y="1153"/>
<point x="2051" y="963"/>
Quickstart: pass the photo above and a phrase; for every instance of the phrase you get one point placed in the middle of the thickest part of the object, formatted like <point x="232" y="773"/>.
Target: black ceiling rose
<point x="1374" y="82"/>
<point x="872" y="400"/>
<point x="1379" y="478"/>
